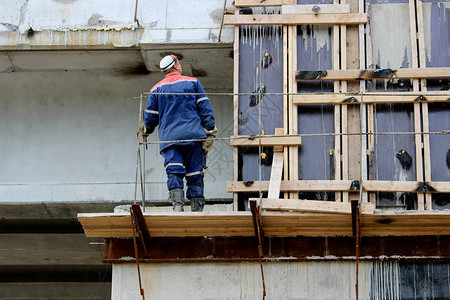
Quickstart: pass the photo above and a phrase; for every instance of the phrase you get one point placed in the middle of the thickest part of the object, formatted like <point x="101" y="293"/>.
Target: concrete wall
<point x="71" y="136"/>
<point x="285" y="280"/>
<point x="241" y="281"/>
<point x="73" y="22"/>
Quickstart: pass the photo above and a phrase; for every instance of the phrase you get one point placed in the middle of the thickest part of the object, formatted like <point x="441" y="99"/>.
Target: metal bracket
<point x="310" y="75"/>
<point x="351" y="100"/>
<point x="355" y="186"/>
<point x="356" y="225"/>
<point x="140" y="226"/>
<point x="425" y="187"/>
<point x="384" y="73"/>
<point x="257" y="224"/>
<point x="421" y="98"/>
<point x="356" y="217"/>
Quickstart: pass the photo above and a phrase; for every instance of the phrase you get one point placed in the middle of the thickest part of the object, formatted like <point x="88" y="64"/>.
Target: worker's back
<point x="181" y="117"/>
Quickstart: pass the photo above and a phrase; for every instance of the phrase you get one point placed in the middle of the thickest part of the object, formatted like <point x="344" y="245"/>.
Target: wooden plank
<point x="293" y="128"/>
<point x="275" y="175"/>
<point x="295" y="19"/>
<point x="323" y="9"/>
<point x="286" y="101"/>
<point x="313" y="206"/>
<point x="337" y="110"/>
<point x="344" y="115"/>
<point x="338" y="185"/>
<point x="250" y="3"/>
<point x="236" y="108"/>
<point x="423" y="86"/>
<point x="291" y="185"/>
<point x="356" y="74"/>
<point x="370" y="98"/>
<point x="265" y="140"/>
<point x="282" y="224"/>
<point x="417" y="116"/>
<point x="362" y="88"/>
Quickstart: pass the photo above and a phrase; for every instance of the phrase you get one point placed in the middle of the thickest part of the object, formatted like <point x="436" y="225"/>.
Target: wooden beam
<point x="322" y="9"/>
<point x="295" y="19"/>
<point x="291" y="185"/>
<point x="275" y="175"/>
<point x="275" y="224"/>
<point x="293" y="109"/>
<point x="356" y="74"/>
<point x="370" y="98"/>
<point x="236" y="107"/>
<point x="313" y="206"/>
<point x="342" y="185"/>
<point x="250" y="3"/>
<point x="267" y="140"/>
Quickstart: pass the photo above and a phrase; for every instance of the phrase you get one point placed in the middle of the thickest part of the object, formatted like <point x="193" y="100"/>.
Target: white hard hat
<point x="167" y="62"/>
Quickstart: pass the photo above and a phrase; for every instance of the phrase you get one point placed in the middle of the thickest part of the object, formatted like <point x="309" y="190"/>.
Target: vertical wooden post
<point x="423" y="85"/>
<point x="337" y="109"/>
<point x="286" y="107"/>
<point x="417" y="116"/>
<point x="236" y="107"/>
<point x="293" y="115"/>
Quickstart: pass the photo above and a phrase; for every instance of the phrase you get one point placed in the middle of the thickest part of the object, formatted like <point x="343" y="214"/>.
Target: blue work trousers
<point x="185" y="160"/>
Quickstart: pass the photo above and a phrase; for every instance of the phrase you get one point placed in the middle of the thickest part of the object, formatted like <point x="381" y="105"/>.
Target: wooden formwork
<point x="352" y="72"/>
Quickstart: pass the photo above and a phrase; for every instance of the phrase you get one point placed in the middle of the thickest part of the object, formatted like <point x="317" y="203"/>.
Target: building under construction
<point x="329" y="179"/>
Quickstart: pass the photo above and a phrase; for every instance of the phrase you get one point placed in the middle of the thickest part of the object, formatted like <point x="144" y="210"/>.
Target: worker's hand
<point x="210" y="135"/>
<point x="143" y="130"/>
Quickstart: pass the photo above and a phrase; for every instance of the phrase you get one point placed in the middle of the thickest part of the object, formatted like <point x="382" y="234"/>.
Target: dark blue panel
<point x="407" y="280"/>
<point x="315" y="161"/>
<point x="260" y="69"/>
<point x="314" y="52"/>
<point x="439" y="35"/>
<point x="439" y="120"/>
<point x="256" y="71"/>
<point x="394" y="118"/>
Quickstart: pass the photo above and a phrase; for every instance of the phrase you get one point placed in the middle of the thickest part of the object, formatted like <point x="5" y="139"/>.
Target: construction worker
<point x="181" y="117"/>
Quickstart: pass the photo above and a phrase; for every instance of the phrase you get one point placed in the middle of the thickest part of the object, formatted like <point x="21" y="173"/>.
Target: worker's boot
<point x="176" y="196"/>
<point x="197" y="204"/>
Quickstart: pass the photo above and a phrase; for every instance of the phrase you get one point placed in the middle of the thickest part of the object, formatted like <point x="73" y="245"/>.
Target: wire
<point x="399" y="94"/>
<point x="252" y="137"/>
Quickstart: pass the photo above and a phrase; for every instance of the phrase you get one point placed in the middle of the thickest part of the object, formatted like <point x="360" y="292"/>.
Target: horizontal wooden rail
<point x="370" y="98"/>
<point x="250" y="3"/>
<point x="249" y="141"/>
<point x="341" y="185"/>
<point x="312" y="206"/>
<point x="316" y="9"/>
<point x="356" y="74"/>
<point x="296" y="19"/>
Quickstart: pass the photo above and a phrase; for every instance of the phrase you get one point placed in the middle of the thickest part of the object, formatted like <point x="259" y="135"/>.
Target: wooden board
<point x="337" y="185"/>
<point x="370" y="98"/>
<point x="275" y="224"/>
<point x="356" y="74"/>
<point x="275" y="175"/>
<point x="312" y="206"/>
<point x="250" y="3"/>
<point x="248" y="141"/>
<point x="295" y="19"/>
<point x="323" y="9"/>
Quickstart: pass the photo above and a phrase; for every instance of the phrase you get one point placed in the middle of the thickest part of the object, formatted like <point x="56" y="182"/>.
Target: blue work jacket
<point x="180" y="117"/>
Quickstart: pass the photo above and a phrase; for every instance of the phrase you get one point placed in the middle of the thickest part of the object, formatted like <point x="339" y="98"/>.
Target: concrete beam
<point x="49" y="249"/>
<point x="56" y="290"/>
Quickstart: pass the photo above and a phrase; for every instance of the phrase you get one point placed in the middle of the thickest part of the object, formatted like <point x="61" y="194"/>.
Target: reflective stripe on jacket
<point x="180" y="117"/>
